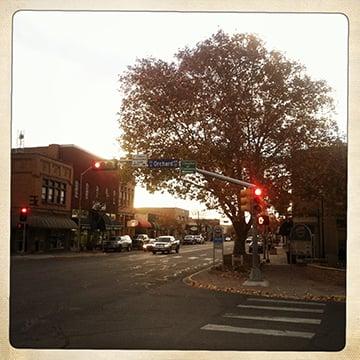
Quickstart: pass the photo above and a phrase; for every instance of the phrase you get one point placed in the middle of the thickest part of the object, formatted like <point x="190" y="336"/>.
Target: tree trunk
<point x="241" y="230"/>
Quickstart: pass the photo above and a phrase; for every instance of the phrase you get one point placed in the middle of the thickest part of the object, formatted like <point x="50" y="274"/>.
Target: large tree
<point x="233" y="106"/>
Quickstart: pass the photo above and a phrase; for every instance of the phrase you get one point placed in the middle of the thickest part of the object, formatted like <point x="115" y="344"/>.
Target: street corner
<point x="300" y="287"/>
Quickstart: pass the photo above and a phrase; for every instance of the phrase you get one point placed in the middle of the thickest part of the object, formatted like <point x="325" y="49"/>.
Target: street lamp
<point x="80" y="210"/>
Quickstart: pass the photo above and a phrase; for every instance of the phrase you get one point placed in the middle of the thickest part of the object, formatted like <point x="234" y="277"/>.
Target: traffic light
<point x="105" y="165"/>
<point x="23" y="214"/>
<point x="258" y="202"/>
<point x="246" y="200"/>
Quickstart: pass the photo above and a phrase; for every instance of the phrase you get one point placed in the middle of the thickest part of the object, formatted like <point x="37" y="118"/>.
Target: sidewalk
<point x="308" y="282"/>
<point x="59" y="255"/>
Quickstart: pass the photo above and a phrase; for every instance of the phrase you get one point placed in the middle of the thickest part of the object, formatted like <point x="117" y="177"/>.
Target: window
<point x="114" y="197"/>
<point x="87" y="189"/>
<point x="76" y="188"/>
<point x="53" y="192"/>
<point x="107" y="195"/>
<point x="97" y="190"/>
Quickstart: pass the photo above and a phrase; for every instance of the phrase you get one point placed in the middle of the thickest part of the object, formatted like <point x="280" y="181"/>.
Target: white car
<point x="165" y="244"/>
<point x="199" y="239"/>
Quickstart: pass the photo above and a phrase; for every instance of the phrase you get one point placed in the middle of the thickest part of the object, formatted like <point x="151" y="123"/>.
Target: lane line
<point x="319" y="311"/>
<point x="275" y="318"/>
<point x="269" y="332"/>
<point x="193" y="257"/>
<point x="287" y="301"/>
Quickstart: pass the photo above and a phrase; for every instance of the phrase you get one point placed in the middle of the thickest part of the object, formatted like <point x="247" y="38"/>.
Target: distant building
<point x="165" y="221"/>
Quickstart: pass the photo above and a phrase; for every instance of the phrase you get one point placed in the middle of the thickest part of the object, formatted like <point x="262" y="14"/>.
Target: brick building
<point x="164" y="221"/>
<point x="43" y="185"/>
<point x="106" y="202"/>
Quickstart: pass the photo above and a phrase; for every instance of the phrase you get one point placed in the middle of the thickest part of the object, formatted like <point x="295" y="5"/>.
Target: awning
<point x="139" y="223"/>
<point x="100" y="222"/>
<point x="51" y="222"/>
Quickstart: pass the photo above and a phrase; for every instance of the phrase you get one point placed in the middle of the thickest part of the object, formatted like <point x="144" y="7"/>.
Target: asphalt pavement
<point x="141" y="301"/>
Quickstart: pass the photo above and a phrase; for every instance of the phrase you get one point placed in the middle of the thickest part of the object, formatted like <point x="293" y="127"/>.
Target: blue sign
<point x="218" y="240"/>
<point x="163" y="163"/>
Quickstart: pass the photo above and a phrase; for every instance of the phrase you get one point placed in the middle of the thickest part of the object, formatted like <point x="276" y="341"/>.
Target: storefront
<point x="42" y="233"/>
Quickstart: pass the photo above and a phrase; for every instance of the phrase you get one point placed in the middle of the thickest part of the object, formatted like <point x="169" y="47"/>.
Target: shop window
<point x="97" y="190"/>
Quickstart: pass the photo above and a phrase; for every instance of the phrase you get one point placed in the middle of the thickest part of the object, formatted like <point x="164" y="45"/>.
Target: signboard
<point x="139" y="160"/>
<point x="188" y="166"/>
<point x="218" y="237"/>
<point x="163" y="163"/>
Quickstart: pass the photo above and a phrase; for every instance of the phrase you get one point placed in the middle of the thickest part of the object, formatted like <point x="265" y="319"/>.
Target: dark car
<point x="140" y="240"/>
<point x="189" y="239"/>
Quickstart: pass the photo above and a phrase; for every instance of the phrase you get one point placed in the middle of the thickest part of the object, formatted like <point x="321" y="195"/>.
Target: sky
<point x="66" y="67"/>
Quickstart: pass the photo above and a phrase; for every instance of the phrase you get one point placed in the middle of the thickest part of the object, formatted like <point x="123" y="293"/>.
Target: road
<point x="138" y="300"/>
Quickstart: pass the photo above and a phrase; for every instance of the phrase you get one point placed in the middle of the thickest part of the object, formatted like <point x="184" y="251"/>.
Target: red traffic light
<point x="258" y="192"/>
<point x="105" y="165"/>
<point x="23" y="214"/>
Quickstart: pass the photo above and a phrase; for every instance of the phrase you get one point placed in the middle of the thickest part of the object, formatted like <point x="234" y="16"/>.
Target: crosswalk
<point x="272" y="317"/>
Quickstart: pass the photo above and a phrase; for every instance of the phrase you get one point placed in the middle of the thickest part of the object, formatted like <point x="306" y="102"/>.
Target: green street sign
<point x="187" y="166"/>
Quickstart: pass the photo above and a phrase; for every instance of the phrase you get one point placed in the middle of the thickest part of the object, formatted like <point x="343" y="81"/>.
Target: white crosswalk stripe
<point x="287" y="333"/>
<point x="279" y="301"/>
<point x="277" y="308"/>
<point x="266" y="315"/>
<point x="275" y="318"/>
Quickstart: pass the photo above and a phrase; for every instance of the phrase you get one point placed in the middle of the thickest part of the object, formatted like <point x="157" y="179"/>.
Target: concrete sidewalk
<point x="297" y="281"/>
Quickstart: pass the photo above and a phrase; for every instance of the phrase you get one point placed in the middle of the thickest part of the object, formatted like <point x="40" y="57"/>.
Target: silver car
<point x="118" y="243"/>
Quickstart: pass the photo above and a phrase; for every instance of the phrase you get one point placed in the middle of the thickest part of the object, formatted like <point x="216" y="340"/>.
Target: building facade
<point x="43" y="186"/>
<point x="165" y="221"/>
<point x="99" y="200"/>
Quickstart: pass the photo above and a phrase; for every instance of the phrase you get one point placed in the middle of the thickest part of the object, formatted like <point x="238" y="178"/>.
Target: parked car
<point x="118" y="243"/>
<point x="149" y="245"/>
<point x="260" y="246"/>
<point x="199" y="239"/>
<point x="189" y="239"/>
<point x="165" y="244"/>
<point x="140" y="240"/>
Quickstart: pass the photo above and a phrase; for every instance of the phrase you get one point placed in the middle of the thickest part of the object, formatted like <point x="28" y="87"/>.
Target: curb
<point x="262" y="292"/>
<point x="326" y="267"/>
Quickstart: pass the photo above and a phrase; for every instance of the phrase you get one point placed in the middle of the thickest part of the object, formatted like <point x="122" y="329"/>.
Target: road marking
<point x="270" y="332"/>
<point x="193" y="257"/>
<point x="275" y="318"/>
<point x="208" y="259"/>
<point x="177" y="256"/>
<point x="320" y="311"/>
<point x="203" y="254"/>
<point x="287" y="301"/>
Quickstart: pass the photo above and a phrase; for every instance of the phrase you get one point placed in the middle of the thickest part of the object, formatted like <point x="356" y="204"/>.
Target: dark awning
<point x="99" y="221"/>
<point x="51" y="222"/>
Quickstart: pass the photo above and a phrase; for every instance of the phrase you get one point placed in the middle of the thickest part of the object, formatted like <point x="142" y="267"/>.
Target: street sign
<point x="139" y="160"/>
<point x="188" y="166"/>
<point x="163" y="163"/>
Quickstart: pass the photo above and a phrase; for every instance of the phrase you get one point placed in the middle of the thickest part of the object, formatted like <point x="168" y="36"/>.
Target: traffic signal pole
<point x="255" y="273"/>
